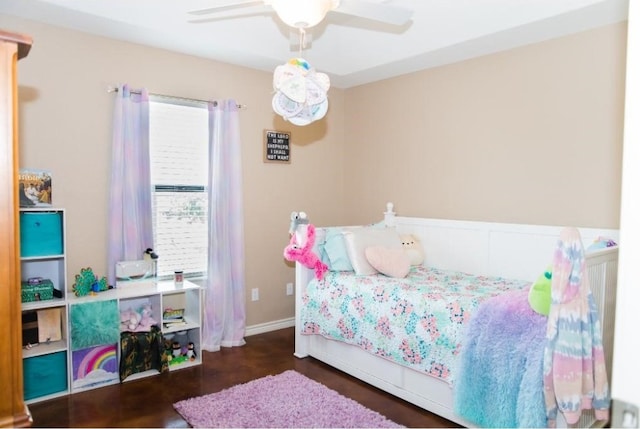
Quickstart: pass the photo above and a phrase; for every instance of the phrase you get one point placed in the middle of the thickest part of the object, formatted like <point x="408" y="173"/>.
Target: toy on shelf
<point x="191" y="351"/>
<point x="129" y="320"/>
<point x="140" y="320"/>
<point x="152" y="257"/>
<point x="176" y="349"/>
<point x="176" y="353"/>
<point x="149" y="254"/>
<point x="178" y="360"/>
<point x="88" y="283"/>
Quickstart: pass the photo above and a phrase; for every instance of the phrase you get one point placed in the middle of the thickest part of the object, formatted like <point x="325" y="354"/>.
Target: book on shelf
<point x="173" y="317"/>
<point x="34" y="188"/>
<point x="175" y="324"/>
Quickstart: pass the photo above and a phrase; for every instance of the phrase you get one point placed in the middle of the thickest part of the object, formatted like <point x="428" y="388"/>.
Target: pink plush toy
<point x="146" y="319"/>
<point x="137" y="321"/>
<point x="303" y="252"/>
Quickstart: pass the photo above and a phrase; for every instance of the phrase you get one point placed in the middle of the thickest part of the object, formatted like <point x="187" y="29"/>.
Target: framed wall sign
<point x="277" y="146"/>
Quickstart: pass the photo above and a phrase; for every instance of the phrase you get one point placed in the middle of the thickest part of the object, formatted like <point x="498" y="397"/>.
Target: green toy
<point x="88" y="283"/>
<point x="540" y="293"/>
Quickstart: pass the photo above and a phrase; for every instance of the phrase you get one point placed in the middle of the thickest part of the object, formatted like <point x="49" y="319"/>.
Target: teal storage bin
<point x="45" y="375"/>
<point x="40" y="233"/>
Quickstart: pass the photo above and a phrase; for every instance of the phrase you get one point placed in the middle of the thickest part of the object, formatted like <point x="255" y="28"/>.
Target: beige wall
<point x="65" y="127"/>
<point x="530" y="135"/>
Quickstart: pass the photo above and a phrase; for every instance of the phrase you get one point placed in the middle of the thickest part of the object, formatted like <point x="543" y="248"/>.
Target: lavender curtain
<point x="130" y="217"/>
<point x="224" y="303"/>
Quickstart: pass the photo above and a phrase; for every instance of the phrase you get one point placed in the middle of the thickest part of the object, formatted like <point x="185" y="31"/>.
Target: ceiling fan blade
<point x="378" y="12"/>
<point x="229" y="5"/>
<point x="244" y="13"/>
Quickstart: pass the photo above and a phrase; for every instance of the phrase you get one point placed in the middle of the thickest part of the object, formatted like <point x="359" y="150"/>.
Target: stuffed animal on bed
<point x="413" y="248"/>
<point x="297" y="218"/>
<point x="303" y="251"/>
<point x="298" y="226"/>
<point x="540" y="293"/>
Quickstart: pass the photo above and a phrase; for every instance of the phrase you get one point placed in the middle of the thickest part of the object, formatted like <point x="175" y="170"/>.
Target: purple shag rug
<point x="287" y="400"/>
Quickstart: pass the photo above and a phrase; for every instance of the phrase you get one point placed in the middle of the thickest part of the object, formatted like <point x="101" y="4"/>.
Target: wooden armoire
<point x="13" y="411"/>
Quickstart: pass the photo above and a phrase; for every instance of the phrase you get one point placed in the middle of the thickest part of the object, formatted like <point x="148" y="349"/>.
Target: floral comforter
<point x="417" y="321"/>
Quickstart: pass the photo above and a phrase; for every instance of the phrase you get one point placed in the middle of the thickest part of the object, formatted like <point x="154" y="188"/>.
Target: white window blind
<point x="179" y="168"/>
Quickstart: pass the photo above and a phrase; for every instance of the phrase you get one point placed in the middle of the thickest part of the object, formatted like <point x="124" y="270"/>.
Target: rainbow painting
<point x="95" y="366"/>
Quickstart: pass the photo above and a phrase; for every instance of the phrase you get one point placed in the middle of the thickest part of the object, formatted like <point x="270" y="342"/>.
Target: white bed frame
<point x="483" y="248"/>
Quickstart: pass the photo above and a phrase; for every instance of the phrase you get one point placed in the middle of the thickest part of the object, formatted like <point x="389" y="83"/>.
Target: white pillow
<point x="356" y="241"/>
<point x="390" y="262"/>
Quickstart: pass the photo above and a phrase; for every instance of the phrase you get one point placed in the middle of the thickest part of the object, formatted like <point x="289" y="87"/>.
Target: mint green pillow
<point x="334" y="251"/>
<point x="540" y="294"/>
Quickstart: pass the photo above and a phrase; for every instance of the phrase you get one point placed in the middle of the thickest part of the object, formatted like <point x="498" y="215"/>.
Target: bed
<point x="469" y="254"/>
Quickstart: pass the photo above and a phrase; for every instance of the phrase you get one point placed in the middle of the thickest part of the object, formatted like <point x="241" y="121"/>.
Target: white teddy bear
<point x="413" y="247"/>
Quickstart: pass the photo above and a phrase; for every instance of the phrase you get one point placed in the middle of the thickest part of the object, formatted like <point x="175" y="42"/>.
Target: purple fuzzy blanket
<point x="499" y="381"/>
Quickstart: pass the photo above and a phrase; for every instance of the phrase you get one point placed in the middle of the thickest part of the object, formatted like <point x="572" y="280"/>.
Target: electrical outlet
<point x="255" y="295"/>
<point x="289" y="288"/>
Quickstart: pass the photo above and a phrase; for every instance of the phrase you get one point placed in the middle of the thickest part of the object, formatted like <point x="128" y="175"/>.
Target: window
<point x="179" y="169"/>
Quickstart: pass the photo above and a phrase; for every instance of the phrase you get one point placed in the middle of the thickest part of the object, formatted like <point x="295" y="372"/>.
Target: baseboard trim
<point x="261" y="328"/>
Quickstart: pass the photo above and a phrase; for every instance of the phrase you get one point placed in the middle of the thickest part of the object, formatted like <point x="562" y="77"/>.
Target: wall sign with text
<point x="277" y="146"/>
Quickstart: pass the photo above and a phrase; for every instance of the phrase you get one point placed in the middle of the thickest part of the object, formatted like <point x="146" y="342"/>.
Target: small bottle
<point x="178" y="277"/>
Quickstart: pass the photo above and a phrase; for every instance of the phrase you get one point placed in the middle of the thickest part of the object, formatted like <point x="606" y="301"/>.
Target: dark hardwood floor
<point x="147" y="402"/>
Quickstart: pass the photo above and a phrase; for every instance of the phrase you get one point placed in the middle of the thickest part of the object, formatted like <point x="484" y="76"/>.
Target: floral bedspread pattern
<point x="417" y="321"/>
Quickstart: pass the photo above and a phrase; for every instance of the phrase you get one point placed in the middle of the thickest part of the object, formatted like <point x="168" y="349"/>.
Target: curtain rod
<point x="115" y="89"/>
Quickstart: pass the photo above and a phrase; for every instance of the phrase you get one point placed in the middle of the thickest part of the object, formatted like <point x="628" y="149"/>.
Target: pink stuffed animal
<point x="146" y="318"/>
<point x="303" y="253"/>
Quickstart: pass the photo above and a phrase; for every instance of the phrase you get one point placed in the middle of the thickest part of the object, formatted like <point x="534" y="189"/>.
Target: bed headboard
<point x="501" y="249"/>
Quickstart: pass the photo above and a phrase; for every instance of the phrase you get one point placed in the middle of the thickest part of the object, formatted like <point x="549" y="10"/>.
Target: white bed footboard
<point x="484" y="248"/>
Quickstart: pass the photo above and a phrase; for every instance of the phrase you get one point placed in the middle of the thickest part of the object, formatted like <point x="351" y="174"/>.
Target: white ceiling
<point x="352" y="51"/>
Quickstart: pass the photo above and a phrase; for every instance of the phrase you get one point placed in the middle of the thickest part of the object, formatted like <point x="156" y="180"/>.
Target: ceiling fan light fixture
<point x="300" y="92"/>
<point x="303" y="13"/>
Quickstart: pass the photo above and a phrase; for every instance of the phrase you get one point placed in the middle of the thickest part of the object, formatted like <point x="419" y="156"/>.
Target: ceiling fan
<point x="303" y="14"/>
<point x="301" y="92"/>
